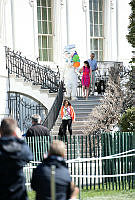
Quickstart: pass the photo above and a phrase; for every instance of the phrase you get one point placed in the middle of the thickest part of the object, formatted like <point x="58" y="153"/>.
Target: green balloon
<point x="75" y="58"/>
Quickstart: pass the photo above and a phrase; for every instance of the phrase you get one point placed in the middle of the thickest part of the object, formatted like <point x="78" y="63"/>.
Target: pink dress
<point x="86" y="76"/>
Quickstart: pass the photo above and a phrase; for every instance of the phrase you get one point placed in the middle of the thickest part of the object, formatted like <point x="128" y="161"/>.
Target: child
<point x="87" y="73"/>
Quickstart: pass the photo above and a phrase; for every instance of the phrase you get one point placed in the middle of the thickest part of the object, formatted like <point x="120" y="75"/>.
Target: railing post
<point x="78" y="155"/>
<point x="133" y="147"/>
<point x="53" y="182"/>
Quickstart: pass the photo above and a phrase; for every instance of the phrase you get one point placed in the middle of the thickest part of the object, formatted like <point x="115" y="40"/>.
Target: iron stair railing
<point x="32" y="71"/>
<point x="54" y="111"/>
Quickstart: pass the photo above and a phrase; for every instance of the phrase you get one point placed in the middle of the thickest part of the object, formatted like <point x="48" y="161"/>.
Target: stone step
<point x="80" y="113"/>
<point x="84" y="106"/>
<point x="76" y="123"/>
<point x="82" y="110"/>
<point x="91" y="97"/>
<point x="74" y="127"/>
<point x="83" y="113"/>
<point x="88" y="102"/>
<point x="56" y="128"/>
<point x="79" y="131"/>
<point x="78" y="118"/>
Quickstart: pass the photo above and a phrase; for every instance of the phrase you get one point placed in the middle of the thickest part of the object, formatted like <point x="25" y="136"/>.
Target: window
<point x="45" y="36"/>
<point x="96" y="28"/>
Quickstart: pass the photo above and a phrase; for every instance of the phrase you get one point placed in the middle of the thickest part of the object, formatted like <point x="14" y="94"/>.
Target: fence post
<point x="78" y="155"/>
<point x="133" y="160"/>
<point x="53" y="182"/>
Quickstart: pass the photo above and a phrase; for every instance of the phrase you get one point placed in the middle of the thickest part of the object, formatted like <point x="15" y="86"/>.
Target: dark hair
<point x="36" y="118"/>
<point x="69" y="104"/>
<point x="87" y="63"/>
<point x="8" y="126"/>
<point x="93" y="54"/>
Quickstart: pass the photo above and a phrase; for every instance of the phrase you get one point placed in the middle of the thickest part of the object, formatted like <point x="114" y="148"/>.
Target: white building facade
<point x="42" y="28"/>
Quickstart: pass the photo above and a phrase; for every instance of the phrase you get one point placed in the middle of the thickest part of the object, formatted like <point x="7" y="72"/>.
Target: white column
<point x="106" y="18"/>
<point x="111" y="10"/>
<point x="3" y="72"/>
<point x="67" y="20"/>
<point x="33" y="5"/>
<point x="85" y="9"/>
<point x="61" y="34"/>
<point x="117" y="29"/>
<point x="13" y="23"/>
<point x="110" y="45"/>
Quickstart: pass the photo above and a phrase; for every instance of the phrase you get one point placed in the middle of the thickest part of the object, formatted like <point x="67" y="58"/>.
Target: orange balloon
<point x="76" y="64"/>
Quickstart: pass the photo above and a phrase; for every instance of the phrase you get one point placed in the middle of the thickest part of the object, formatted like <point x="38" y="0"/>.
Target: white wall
<point x="77" y="29"/>
<point x="125" y="49"/>
<point x="117" y="20"/>
<point x="23" y="25"/>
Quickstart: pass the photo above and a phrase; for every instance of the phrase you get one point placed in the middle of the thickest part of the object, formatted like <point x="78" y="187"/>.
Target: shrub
<point x="127" y="121"/>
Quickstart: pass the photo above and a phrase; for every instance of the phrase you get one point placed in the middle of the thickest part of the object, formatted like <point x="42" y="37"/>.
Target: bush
<point x="127" y="121"/>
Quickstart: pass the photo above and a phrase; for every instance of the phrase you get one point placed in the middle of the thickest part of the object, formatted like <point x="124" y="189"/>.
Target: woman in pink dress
<point x="86" y="78"/>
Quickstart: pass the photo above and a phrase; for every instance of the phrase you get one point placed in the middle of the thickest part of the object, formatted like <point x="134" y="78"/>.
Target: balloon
<point x="76" y="64"/>
<point x="75" y="58"/>
<point x="75" y="53"/>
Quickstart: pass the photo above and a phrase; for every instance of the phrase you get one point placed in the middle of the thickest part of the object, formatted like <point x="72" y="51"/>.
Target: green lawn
<point x="31" y="195"/>
<point x="107" y="195"/>
<point x="101" y="194"/>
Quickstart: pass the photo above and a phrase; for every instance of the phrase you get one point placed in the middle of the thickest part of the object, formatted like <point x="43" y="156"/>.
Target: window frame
<point x="47" y="33"/>
<point x="92" y="36"/>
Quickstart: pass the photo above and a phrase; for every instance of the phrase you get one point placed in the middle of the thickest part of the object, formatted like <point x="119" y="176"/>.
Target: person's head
<point x="36" y="119"/>
<point x="8" y="127"/>
<point x="92" y="56"/>
<point x="66" y="103"/>
<point x="86" y="64"/>
<point x="57" y="148"/>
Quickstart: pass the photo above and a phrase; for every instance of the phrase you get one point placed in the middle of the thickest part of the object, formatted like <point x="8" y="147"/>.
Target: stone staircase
<point x="82" y="108"/>
<point x="35" y="92"/>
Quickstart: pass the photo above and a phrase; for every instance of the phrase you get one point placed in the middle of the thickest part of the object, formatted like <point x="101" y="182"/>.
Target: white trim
<point x="13" y="23"/>
<point x="117" y="29"/>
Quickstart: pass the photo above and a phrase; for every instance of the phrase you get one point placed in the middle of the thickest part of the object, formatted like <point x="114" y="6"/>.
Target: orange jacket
<point x="72" y="113"/>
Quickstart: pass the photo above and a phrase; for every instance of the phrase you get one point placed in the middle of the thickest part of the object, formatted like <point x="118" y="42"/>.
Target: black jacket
<point x="42" y="175"/>
<point x="37" y="130"/>
<point x="14" y="154"/>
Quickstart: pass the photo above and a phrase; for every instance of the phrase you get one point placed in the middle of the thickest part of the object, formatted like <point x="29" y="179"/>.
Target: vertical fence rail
<point x="92" y="146"/>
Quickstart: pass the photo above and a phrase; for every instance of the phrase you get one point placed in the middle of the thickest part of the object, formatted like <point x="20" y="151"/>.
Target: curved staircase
<point x="35" y="92"/>
<point x="30" y="79"/>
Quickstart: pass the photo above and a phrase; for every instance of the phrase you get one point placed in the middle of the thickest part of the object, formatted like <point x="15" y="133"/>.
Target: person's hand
<point x="18" y="132"/>
<point x="45" y="155"/>
<point x="75" y="191"/>
<point x="91" y="80"/>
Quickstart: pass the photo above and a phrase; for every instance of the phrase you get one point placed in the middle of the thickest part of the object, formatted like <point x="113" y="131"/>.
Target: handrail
<point x="54" y="111"/>
<point x="32" y="71"/>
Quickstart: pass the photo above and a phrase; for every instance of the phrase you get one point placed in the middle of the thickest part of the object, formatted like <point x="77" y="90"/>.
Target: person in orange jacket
<point x="67" y="115"/>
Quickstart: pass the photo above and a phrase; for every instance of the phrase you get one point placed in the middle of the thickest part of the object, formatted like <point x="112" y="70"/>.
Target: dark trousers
<point x="66" y="123"/>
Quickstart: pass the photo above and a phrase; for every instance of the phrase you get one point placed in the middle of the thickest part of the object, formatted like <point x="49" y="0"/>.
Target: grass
<point x="31" y="195"/>
<point x="100" y="195"/>
<point x="108" y="194"/>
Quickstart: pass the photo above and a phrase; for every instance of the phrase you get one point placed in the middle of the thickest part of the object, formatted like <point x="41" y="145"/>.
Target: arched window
<point x="96" y="28"/>
<point x="45" y="36"/>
